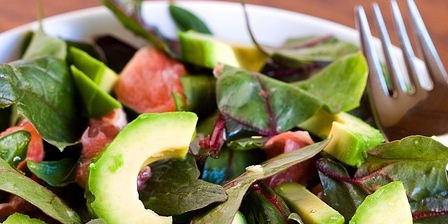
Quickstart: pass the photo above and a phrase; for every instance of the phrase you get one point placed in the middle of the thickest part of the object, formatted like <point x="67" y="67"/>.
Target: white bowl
<point x="226" y="20"/>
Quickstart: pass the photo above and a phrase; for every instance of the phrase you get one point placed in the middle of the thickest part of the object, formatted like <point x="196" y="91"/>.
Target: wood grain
<point x="17" y="12"/>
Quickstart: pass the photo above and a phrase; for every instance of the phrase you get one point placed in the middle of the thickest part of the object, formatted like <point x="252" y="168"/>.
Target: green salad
<point x="198" y="129"/>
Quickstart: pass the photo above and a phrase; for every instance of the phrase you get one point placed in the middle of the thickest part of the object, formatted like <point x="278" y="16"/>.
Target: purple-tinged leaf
<point x="128" y="12"/>
<point x="418" y="162"/>
<point x="214" y="142"/>
<point x="263" y="205"/>
<point x="236" y="189"/>
<point x="262" y="104"/>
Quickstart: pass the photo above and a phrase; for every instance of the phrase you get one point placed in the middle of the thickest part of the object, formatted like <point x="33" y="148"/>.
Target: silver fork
<point x="414" y="101"/>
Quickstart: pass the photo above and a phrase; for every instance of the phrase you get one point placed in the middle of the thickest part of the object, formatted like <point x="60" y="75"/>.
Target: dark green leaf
<point x="5" y="117"/>
<point x="186" y="20"/>
<point x="262" y="205"/>
<point x="15" y="183"/>
<point x="418" y="161"/>
<point x="55" y="173"/>
<point x="199" y="92"/>
<point x="129" y="14"/>
<point x="340" y="194"/>
<point x="340" y="85"/>
<point x="174" y="188"/>
<point x="13" y="147"/>
<point x="259" y="101"/>
<point x="42" y="90"/>
<point x="236" y="189"/>
<point x="229" y="164"/>
<point x="116" y="52"/>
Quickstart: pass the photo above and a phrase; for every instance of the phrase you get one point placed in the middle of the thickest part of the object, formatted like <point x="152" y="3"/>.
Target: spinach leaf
<point x="229" y="164"/>
<point x="13" y="147"/>
<point x="199" y="92"/>
<point x="42" y="90"/>
<point x="258" y="101"/>
<point x="237" y="188"/>
<point x="14" y="182"/>
<point x="56" y="173"/>
<point x="185" y="20"/>
<point x="174" y="188"/>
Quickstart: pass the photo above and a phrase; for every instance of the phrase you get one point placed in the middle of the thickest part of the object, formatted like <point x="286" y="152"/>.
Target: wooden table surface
<point x="434" y="12"/>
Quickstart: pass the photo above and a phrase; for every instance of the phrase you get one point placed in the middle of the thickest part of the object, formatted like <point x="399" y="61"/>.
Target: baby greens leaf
<point x="237" y="188"/>
<point x="324" y="51"/>
<point x="258" y="101"/>
<point x="174" y="188"/>
<point x="418" y="161"/>
<point x="199" y="92"/>
<point x="262" y="205"/>
<point x="42" y="90"/>
<point x="13" y="147"/>
<point x="55" y="173"/>
<point x="129" y="14"/>
<point x="341" y="195"/>
<point x="185" y="20"/>
<point x="229" y="164"/>
<point x="330" y="85"/>
<point x="42" y="45"/>
<point x="14" y="182"/>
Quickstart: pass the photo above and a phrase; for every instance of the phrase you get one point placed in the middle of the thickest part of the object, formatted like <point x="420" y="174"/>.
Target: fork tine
<point x="376" y="77"/>
<point x="428" y="50"/>
<point x="408" y="53"/>
<point x="397" y="77"/>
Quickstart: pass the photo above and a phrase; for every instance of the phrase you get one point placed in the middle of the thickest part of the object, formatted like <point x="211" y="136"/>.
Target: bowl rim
<point x="11" y="38"/>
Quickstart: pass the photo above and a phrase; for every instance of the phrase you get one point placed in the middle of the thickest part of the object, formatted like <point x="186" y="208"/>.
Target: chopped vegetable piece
<point x="147" y="82"/>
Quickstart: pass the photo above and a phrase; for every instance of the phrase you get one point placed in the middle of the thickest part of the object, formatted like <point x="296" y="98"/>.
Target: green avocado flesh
<point x="111" y="189"/>
<point x="350" y="136"/>
<point x="310" y="208"/>
<point x="205" y="50"/>
<point x="388" y="204"/>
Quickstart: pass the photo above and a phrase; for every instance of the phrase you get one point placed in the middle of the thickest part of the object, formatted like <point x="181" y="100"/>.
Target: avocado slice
<point x="111" y="189"/>
<point x="22" y="219"/>
<point x="208" y="51"/>
<point x="96" y="70"/>
<point x="350" y="136"/>
<point x="309" y="207"/>
<point x="388" y="204"/>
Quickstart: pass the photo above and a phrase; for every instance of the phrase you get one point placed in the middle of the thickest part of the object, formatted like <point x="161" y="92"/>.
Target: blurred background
<point x="14" y="13"/>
